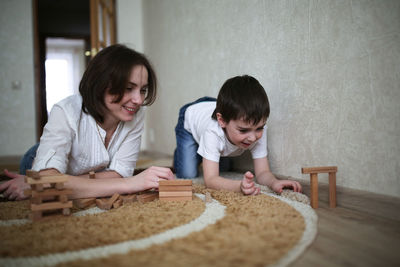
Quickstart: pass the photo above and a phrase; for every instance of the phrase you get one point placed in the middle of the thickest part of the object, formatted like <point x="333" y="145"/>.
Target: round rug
<point x="232" y="230"/>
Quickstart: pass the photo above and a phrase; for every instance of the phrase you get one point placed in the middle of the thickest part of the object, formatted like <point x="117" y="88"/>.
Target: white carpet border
<point x="309" y="234"/>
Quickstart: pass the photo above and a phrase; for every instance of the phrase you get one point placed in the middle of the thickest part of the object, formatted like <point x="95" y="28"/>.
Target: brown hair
<point x="111" y="69"/>
<point x="242" y="97"/>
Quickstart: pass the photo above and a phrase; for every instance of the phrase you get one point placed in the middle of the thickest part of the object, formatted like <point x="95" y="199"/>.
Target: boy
<point x="210" y="130"/>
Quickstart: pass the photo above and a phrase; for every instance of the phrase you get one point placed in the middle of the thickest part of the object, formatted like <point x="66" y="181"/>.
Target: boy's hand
<point x="14" y="189"/>
<point x="279" y="185"/>
<point x="247" y="185"/>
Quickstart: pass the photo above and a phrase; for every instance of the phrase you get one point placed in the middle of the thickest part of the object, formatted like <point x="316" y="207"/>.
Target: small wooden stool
<point x="313" y="171"/>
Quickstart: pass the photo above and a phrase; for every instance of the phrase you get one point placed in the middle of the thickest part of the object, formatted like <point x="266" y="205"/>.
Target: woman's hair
<point x="111" y="69"/>
<point x="242" y="97"/>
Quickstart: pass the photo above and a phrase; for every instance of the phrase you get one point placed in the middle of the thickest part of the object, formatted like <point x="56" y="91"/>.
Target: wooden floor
<point x="363" y="230"/>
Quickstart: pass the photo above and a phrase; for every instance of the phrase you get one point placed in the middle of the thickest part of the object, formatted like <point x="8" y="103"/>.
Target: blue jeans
<point x="27" y="159"/>
<point x="186" y="159"/>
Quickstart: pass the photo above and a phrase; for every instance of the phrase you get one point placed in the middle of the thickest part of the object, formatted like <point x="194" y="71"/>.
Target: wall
<point x="17" y="110"/>
<point x="130" y="23"/>
<point x="330" y="68"/>
<point x="130" y="33"/>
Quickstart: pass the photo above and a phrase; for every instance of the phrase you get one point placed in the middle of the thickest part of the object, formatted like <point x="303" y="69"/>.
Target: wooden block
<point x="37" y="187"/>
<point x="332" y="189"/>
<point x="175" y="188"/>
<point x="117" y="204"/>
<point x="59" y="186"/>
<point x="147" y="197"/>
<point x="176" y="199"/>
<point x="113" y="199"/>
<point x="319" y="169"/>
<point x="175" y="182"/>
<point x="107" y="203"/>
<point x="102" y="204"/>
<point x="128" y="198"/>
<point x="33" y="174"/>
<point x="54" y="174"/>
<point x="175" y="194"/>
<point x="82" y="203"/>
<point x="48" y="179"/>
<point x="314" y="190"/>
<point x="63" y="198"/>
<point x="51" y="206"/>
<point x="49" y="192"/>
<point x="36" y="200"/>
<point x="92" y="175"/>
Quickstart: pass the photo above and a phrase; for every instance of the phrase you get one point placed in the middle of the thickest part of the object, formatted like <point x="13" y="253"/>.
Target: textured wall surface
<point x="130" y="23"/>
<point x="330" y="68"/>
<point x="17" y="110"/>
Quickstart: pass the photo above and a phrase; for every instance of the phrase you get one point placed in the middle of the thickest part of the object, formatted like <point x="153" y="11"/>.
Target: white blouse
<point x="73" y="143"/>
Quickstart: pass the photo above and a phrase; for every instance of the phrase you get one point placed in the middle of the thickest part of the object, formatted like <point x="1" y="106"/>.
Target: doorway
<point x="65" y="23"/>
<point x="64" y="67"/>
<point x="62" y="28"/>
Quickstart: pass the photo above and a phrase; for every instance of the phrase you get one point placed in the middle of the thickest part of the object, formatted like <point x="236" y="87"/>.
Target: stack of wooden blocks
<point x="314" y="171"/>
<point x="46" y="201"/>
<point x="175" y="190"/>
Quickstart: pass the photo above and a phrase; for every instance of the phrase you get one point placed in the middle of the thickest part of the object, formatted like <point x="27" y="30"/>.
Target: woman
<point x="99" y="130"/>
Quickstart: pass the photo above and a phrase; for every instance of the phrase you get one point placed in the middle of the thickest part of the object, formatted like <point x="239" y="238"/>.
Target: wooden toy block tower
<point x="175" y="190"/>
<point x="313" y="171"/>
<point x="48" y="195"/>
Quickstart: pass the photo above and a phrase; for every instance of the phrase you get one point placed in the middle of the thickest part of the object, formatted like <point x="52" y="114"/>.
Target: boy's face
<point x="240" y="133"/>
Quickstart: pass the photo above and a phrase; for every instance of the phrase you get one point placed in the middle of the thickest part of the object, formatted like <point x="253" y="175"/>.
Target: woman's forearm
<point x="86" y="188"/>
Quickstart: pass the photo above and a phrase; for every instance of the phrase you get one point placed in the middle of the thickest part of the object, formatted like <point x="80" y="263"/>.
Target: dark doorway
<point x="67" y="20"/>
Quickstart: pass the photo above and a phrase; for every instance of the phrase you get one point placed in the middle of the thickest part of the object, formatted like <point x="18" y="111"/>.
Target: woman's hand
<point x="279" y="185"/>
<point x="149" y="178"/>
<point x="14" y="188"/>
<point x="247" y="186"/>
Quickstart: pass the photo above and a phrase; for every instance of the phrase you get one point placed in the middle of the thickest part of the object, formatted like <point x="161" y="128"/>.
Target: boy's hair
<point x="111" y="69"/>
<point x="242" y="97"/>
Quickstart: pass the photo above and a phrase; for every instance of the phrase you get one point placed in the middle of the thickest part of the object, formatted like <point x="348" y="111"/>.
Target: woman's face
<point x="132" y="100"/>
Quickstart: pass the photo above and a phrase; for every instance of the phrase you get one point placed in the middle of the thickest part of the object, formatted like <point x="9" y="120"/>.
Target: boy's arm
<point x="264" y="176"/>
<point x="214" y="181"/>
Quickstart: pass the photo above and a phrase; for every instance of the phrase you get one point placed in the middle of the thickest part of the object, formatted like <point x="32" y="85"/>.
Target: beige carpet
<point x="232" y="230"/>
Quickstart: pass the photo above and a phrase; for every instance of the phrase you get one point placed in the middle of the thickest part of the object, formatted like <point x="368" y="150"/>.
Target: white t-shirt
<point x="72" y="142"/>
<point x="211" y="138"/>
